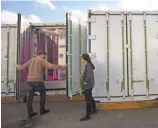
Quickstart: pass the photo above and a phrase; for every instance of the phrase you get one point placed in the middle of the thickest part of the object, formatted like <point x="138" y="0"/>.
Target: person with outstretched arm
<point x="87" y="87"/>
<point x="36" y="67"/>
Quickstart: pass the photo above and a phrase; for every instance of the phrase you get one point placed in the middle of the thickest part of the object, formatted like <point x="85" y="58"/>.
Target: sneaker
<point x="32" y="115"/>
<point x="85" y="118"/>
<point x="44" y="112"/>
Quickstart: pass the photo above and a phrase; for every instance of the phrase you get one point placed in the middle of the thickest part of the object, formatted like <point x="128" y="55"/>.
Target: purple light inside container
<point x="52" y="51"/>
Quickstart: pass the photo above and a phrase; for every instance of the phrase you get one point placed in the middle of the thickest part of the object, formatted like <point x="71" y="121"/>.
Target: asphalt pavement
<point x="67" y="115"/>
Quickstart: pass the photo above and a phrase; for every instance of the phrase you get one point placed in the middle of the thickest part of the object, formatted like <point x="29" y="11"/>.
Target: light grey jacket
<point x="88" y="77"/>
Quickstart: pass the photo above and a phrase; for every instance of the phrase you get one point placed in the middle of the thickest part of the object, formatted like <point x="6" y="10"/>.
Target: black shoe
<point x="94" y="111"/>
<point x="85" y="118"/>
<point x="44" y="112"/>
<point x="32" y="115"/>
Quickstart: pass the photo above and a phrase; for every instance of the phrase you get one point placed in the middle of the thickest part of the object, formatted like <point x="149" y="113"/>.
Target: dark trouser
<point x="36" y="87"/>
<point x="90" y="102"/>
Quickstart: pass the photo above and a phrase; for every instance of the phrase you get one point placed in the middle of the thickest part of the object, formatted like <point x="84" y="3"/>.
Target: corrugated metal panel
<point x="109" y="50"/>
<point x="9" y="51"/>
<point x="124" y="49"/>
<point x="77" y="45"/>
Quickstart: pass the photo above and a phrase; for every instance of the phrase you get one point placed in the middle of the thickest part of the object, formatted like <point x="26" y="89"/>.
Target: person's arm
<point x="52" y="66"/>
<point x="89" y="74"/>
<point x="24" y="66"/>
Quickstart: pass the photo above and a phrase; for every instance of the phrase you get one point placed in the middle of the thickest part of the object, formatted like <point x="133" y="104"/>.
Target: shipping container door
<point x="12" y="47"/>
<point x="4" y="36"/>
<point x="25" y="52"/>
<point x="9" y="39"/>
<point x="143" y="53"/>
<point x="107" y="47"/>
<point x="76" y="46"/>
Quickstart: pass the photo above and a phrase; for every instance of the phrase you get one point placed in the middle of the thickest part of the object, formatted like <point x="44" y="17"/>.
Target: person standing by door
<point x="36" y="67"/>
<point x="87" y="86"/>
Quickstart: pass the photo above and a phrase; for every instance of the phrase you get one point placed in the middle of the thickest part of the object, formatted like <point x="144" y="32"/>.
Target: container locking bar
<point x="131" y="55"/>
<point x="7" y="58"/>
<point x="108" y="55"/>
<point x="146" y="56"/>
<point x="18" y="57"/>
<point x="89" y="32"/>
<point x="70" y="54"/>
<point x="79" y="57"/>
<point x="123" y="57"/>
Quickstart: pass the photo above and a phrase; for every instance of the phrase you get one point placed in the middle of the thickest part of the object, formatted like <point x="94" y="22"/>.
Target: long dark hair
<point x="87" y="58"/>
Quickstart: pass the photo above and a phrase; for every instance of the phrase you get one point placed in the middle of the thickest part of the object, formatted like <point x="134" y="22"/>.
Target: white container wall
<point x="77" y="45"/>
<point x="143" y="53"/>
<point x="124" y="49"/>
<point x="8" y="59"/>
<point x="108" y="46"/>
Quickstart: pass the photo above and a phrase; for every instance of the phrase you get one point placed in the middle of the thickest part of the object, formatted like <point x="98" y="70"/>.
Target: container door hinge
<point x="92" y="20"/>
<point x="92" y="37"/>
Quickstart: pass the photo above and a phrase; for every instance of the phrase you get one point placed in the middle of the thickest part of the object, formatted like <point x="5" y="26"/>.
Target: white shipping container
<point x="23" y="37"/>
<point x="34" y="37"/>
<point x="124" y="49"/>
<point x="27" y="43"/>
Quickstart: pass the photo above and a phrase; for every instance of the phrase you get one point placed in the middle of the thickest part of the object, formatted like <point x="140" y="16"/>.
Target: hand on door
<point x="17" y="66"/>
<point x="63" y="66"/>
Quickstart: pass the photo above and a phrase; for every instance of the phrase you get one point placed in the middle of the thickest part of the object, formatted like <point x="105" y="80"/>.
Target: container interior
<point x="48" y="41"/>
<point x="51" y="39"/>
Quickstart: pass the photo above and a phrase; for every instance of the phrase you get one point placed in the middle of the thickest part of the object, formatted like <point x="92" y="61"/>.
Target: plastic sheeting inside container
<point x="53" y="56"/>
<point x="41" y="39"/>
<point x="51" y="41"/>
<point x="26" y="46"/>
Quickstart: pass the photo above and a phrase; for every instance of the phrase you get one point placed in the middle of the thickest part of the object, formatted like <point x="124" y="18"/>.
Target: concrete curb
<point x="128" y="105"/>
